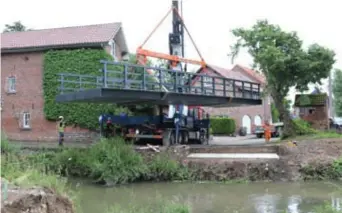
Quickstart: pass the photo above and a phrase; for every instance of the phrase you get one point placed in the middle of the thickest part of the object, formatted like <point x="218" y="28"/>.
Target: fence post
<point x="202" y="85"/>
<point x="144" y="79"/>
<point x="213" y="84"/>
<point x="234" y="89"/>
<point x="125" y="76"/>
<point x="62" y="83"/>
<point x="160" y="79"/>
<point x="105" y="74"/>
<point x="224" y="87"/>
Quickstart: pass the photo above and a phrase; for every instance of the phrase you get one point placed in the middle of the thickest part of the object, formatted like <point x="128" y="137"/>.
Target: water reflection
<point x="293" y="204"/>
<point x="216" y="198"/>
<point x="265" y="203"/>
<point x="336" y="203"/>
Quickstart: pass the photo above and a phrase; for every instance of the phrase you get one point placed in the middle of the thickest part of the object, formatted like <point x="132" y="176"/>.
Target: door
<point x="257" y="120"/>
<point x="246" y="122"/>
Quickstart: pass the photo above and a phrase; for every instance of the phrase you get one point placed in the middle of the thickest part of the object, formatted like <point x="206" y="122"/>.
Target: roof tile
<point x="229" y="73"/>
<point x="60" y="36"/>
<point x="253" y="74"/>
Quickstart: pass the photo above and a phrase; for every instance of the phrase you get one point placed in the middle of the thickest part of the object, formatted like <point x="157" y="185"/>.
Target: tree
<point x="275" y="113"/>
<point x="337" y="92"/>
<point x="280" y="57"/>
<point x="17" y="26"/>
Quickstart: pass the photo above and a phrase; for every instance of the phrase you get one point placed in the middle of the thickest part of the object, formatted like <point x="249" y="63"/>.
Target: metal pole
<point x="331" y="113"/>
<point x="183" y="51"/>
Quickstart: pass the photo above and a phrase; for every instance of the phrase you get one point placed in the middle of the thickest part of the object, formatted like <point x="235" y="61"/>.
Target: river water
<point x="214" y="197"/>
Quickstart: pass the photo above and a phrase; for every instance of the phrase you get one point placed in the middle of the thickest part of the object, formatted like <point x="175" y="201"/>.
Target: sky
<point x="209" y="22"/>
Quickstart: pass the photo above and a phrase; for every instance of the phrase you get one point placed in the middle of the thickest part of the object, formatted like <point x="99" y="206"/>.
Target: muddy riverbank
<point x="299" y="161"/>
<point x="306" y="159"/>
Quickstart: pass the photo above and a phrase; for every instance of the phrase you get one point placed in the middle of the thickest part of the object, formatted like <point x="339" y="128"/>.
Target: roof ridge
<point x="54" y="28"/>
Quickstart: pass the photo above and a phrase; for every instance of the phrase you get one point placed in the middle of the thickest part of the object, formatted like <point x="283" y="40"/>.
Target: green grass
<point x="112" y="161"/>
<point x="156" y="205"/>
<point x="20" y="172"/>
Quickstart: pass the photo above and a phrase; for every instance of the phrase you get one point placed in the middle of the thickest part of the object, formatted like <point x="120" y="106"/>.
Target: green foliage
<point x="280" y="57"/>
<point x="80" y="61"/>
<point x="323" y="172"/>
<point x="161" y="206"/>
<point x="113" y="161"/>
<point x="303" y="128"/>
<point x="225" y="126"/>
<point x="275" y="113"/>
<point x="17" y="26"/>
<point x="337" y="92"/>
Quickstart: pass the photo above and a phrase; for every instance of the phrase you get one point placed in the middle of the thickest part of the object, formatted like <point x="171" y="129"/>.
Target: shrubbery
<point x="303" y="128"/>
<point x="322" y="172"/>
<point x="112" y="161"/>
<point x="222" y="126"/>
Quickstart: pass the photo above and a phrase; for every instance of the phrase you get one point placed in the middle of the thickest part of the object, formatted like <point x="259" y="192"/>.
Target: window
<point x="26" y="120"/>
<point x="208" y="81"/>
<point x="11" y="81"/>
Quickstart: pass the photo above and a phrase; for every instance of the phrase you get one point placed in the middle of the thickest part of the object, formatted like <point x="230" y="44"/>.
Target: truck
<point x="182" y="123"/>
<point x="276" y="130"/>
<point x="192" y="128"/>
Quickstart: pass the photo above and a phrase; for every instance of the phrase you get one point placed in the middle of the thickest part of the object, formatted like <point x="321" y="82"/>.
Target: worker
<point x="60" y="129"/>
<point x="267" y="131"/>
<point x="109" y="127"/>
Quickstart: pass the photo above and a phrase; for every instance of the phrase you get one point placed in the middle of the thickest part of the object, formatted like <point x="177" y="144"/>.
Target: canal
<point x="214" y="197"/>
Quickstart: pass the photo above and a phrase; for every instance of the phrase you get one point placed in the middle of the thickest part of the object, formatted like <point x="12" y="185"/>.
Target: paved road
<point x="238" y="140"/>
<point x="217" y="140"/>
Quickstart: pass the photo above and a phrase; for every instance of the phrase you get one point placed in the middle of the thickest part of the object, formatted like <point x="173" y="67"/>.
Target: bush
<point x="111" y="161"/>
<point x="322" y="172"/>
<point x="224" y="126"/>
<point x="303" y="128"/>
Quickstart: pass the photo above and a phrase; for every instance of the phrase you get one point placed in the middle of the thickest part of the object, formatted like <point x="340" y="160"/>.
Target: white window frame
<point x="208" y="81"/>
<point x="26" y="120"/>
<point x="11" y="84"/>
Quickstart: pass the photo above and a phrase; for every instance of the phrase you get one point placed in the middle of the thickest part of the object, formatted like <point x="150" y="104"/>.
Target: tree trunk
<point x="284" y="115"/>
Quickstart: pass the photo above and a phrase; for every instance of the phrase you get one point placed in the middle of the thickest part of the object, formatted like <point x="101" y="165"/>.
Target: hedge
<point x="80" y="61"/>
<point x="224" y="126"/>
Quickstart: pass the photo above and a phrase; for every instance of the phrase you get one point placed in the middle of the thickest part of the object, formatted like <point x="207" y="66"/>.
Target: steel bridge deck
<point x="130" y="84"/>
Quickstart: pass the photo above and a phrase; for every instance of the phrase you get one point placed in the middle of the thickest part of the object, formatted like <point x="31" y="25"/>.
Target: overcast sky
<point x="209" y="22"/>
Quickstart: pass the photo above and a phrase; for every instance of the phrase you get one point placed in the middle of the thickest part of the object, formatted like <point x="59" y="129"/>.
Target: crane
<point x="175" y="56"/>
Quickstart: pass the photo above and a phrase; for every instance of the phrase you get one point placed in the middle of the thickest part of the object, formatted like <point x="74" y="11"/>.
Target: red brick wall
<point x="318" y="118"/>
<point x="264" y="110"/>
<point x="27" y="68"/>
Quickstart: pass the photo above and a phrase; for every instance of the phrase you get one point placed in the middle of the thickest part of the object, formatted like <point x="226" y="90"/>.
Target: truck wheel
<point x="172" y="138"/>
<point x="167" y="137"/>
<point x="185" y="137"/>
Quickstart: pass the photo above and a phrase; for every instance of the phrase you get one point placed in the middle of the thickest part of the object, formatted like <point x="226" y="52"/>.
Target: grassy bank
<point x="112" y="161"/>
<point x="19" y="172"/>
<point x="323" y="172"/>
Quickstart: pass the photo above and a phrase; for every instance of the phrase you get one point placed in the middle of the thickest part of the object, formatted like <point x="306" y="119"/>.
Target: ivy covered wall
<point x="80" y="61"/>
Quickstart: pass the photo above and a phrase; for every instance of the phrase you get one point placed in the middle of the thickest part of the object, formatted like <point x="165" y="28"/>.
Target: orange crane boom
<point x="143" y="53"/>
<point x="173" y="58"/>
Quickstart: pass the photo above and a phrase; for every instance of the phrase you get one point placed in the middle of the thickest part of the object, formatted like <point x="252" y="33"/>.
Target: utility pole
<point x="331" y="107"/>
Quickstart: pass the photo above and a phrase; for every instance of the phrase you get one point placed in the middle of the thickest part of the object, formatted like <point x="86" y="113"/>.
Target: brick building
<point x="247" y="116"/>
<point x="22" y="102"/>
<point x="313" y="108"/>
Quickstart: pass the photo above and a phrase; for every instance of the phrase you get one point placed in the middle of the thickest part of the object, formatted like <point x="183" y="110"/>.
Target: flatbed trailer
<point x="192" y="128"/>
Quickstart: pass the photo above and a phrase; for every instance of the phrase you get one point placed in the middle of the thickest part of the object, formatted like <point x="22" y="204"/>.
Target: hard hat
<point x="60" y="117"/>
